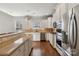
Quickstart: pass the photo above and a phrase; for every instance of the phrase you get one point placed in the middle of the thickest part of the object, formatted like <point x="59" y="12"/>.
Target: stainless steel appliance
<point x="61" y="39"/>
<point x="73" y="31"/>
<point x="65" y="44"/>
<point x="59" y="33"/>
<point x="70" y="32"/>
<point x="58" y="26"/>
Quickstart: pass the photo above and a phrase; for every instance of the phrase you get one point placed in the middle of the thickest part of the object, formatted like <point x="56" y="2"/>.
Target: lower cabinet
<point x="51" y="37"/>
<point x="30" y="46"/>
<point x="19" y="51"/>
<point x="24" y="49"/>
<point x="36" y="36"/>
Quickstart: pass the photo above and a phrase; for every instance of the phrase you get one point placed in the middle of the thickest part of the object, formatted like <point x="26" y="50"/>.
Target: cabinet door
<point x="36" y="36"/>
<point x="19" y="51"/>
<point x="26" y="48"/>
<point x="30" y="45"/>
<point x="51" y="39"/>
<point x="54" y="40"/>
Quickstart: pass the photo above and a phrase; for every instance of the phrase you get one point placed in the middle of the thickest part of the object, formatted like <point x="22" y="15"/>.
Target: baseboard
<point x="40" y="41"/>
<point x="43" y="40"/>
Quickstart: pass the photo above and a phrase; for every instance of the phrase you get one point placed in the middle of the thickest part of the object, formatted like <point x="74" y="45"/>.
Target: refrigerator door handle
<point x="71" y="37"/>
<point x="75" y="32"/>
<point x="69" y="31"/>
<point x="72" y="28"/>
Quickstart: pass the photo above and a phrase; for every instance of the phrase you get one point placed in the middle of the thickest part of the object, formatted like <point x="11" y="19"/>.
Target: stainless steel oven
<point x="59" y="38"/>
<point x="62" y="36"/>
<point x="59" y="33"/>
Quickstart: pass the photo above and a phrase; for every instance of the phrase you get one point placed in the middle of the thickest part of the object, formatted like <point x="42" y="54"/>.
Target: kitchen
<point x="28" y="28"/>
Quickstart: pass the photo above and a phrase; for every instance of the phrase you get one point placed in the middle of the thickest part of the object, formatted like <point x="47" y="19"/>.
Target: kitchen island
<point x="15" y="44"/>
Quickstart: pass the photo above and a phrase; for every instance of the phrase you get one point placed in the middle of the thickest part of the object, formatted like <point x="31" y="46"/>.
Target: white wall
<point x="6" y="23"/>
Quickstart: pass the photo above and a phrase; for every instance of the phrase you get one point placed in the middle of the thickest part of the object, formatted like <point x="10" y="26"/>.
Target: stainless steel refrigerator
<point x="65" y="33"/>
<point x="71" y="31"/>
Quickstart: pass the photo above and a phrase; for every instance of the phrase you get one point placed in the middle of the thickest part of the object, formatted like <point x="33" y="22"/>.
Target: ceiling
<point x="32" y="9"/>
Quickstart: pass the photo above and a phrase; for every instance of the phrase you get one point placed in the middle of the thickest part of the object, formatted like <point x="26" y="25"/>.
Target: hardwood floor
<point x="43" y="49"/>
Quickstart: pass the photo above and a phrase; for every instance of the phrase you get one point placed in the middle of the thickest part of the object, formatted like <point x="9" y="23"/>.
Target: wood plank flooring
<point x="43" y="49"/>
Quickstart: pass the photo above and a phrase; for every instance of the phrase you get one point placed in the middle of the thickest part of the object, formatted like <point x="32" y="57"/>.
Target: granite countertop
<point x="7" y="50"/>
<point x="10" y="33"/>
<point x="41" y="30"/>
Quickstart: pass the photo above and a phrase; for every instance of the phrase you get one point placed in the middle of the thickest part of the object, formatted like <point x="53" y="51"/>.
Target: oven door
<point x="59" y="38"/>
